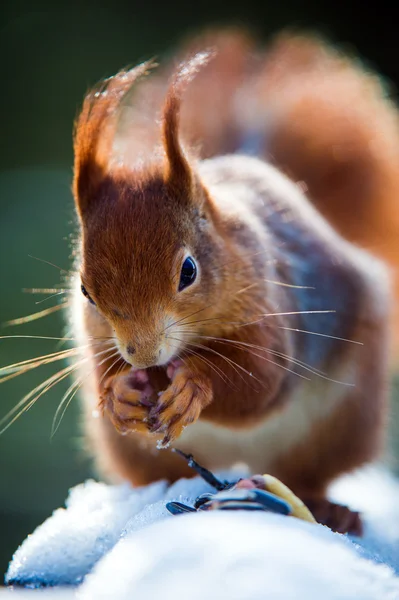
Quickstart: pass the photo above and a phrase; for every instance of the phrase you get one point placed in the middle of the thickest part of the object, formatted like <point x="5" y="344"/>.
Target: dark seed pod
<point x="177" y="508"/>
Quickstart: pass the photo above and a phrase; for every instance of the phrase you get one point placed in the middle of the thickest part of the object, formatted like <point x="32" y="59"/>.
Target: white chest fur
<point x="260" y="446"/>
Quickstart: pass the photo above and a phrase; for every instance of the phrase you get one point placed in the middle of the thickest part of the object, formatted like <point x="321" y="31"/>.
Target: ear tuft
<point x="178" y="173"/>
<point x="94" y="132"/>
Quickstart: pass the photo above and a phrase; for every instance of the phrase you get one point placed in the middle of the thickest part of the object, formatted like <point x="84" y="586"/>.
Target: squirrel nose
<point x="130" y="349"/>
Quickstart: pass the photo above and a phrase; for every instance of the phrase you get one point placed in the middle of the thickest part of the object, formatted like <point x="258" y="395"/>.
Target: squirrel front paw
<point x="181" y="403"/>
<point x="126" y="401"/>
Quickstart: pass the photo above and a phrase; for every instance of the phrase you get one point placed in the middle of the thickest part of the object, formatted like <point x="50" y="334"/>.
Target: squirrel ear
<point x="178" y="172"/>
<point x="94" y="133"/>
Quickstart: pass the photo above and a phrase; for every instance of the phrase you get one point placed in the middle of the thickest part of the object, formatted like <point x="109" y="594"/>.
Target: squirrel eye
<point x="188" y="273"/>
<point x="86" y="294"/>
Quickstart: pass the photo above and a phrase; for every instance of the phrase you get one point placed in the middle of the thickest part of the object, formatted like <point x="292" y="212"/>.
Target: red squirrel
<point x="223" y="314"/>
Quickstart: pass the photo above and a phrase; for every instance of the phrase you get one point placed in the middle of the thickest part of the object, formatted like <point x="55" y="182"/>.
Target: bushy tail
<point x="317" y="114"/>
<point x="330" y="125"/>
<point x="322" y="118"/>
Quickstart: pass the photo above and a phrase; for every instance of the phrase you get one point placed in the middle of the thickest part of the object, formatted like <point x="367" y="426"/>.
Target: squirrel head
<point x="150" y="246"/>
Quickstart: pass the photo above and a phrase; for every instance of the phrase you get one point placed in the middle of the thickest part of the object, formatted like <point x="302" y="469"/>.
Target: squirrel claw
<point x="126" y="405"/>
<point x="181" y="403"/>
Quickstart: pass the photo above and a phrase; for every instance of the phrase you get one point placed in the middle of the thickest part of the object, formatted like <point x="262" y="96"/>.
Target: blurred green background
<point x="50" y="54"/>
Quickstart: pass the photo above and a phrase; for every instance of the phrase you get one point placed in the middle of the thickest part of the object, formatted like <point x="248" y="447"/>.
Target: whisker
<point x="47" y="262"/>
<point x="27" y="361"/>
<point x="205" y="307"/>
<point x="24" y="405"/>
<point x="239" y="347"/>
<point x="123" y="363"/>
<point x="38" y="361"/>
<point x="231" y="362"/>
<point x="16" y="371"/>
<point x="48" y="337"/>
<point x="258" y="320"/>
<point x="55" y="425"/>
<point x="112" y="365"/>
<point x="187" y="316"/>
<point x="290" y="285"/>
<point x="49" y="297"/>
<point x="248" y="256"/>
<point x="281" y="355"/>
<point x="101" y="337"/>
<point x="44" y="290"/>
<point x="332" y="337"/>
<point x="313" y="370"/>
<point x="34" y="316"/>
<point x="245" y="345"/>
<point x="283" y="314"/>
<point x="36" y="337"/>
<point x="29" y="399"/>
<point x="71" y="392"/>
<point x="221" y="320"/>
<point x="215" y="368"/>
<point x="274" y="282"/>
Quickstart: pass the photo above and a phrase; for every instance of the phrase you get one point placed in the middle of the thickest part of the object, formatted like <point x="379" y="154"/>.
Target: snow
<point x="68" y="544"/>
<point x="122" y="543"/>
<point x="376" y="494"/>
<point x="237" y="556"/>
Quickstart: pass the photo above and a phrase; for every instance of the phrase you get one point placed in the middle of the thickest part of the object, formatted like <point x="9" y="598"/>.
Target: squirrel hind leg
<point x="337" y="517"/>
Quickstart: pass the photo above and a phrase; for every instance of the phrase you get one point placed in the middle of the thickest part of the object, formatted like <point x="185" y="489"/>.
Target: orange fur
<point x="225" y="365"/>
<point x="335" y="128"/>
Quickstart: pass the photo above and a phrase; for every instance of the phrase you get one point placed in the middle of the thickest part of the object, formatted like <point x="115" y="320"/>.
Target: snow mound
<point x="121" y="542"/>
<point x="237" y="556"/>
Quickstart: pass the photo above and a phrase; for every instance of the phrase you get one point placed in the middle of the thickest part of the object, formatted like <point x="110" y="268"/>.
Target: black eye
<point x="188" y="273"/>
<point x="86" y="294"/>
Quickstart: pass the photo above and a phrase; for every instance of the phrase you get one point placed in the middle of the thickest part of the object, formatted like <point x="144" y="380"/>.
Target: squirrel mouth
<point x="140" y="359"/>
